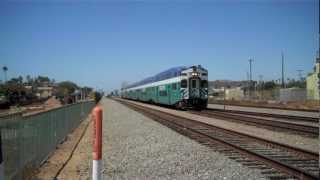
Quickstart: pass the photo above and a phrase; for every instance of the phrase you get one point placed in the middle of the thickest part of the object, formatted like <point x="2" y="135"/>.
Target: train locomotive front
<point x="194" y="88"/>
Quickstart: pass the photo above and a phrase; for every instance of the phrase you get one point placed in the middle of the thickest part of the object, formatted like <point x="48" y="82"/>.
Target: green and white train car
<point x="180" y="86"/>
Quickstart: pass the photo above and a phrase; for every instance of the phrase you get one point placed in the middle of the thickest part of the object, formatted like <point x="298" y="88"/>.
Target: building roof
<point x="170" y="73"/>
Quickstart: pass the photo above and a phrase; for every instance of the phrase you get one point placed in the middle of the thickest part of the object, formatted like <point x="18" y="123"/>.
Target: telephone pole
<point x="282" y="83"/>
<point x="250" y="78"/>
<point x="250" y="63"/>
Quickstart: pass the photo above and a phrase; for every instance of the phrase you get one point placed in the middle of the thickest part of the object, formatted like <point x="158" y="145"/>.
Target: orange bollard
<point x="97" y="143"/>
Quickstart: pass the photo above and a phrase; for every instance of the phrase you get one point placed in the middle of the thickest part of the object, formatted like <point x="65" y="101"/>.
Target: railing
<point x="27" y="141"/>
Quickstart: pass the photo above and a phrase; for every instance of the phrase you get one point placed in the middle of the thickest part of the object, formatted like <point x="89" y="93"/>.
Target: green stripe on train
<point x="168" y="94"/>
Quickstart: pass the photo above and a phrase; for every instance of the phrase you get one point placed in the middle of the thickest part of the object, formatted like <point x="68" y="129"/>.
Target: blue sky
<point x="104" y="43"/>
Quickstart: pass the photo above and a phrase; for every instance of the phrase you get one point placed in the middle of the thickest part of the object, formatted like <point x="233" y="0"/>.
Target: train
<point x="182" y="87"/>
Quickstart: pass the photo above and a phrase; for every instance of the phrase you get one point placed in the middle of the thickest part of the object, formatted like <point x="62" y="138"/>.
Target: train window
<point x="194" y="83"/>
<point x="174" y="86"/>
<point x="183" y="74"/>
<point x="163" y="93"/>
<point x="204" y="74"/>
<point x="204" y="83"/>
<point x="184" y="83"/>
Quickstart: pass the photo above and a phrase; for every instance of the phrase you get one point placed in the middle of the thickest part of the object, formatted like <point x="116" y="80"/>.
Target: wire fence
<point x="27" y="141"/>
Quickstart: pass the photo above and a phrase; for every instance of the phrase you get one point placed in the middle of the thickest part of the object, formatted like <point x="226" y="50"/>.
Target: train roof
<point x="170" y="73"/>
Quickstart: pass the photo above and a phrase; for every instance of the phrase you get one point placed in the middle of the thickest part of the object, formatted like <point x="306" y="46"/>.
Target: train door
<point x="157" y="94"/>
<point x="194" y="86"/>
<point x="169" y="93"/>
<point x="174" y="93"/>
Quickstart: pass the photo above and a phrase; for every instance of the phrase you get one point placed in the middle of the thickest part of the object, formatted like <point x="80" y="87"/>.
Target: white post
<point x="96" y="170"/>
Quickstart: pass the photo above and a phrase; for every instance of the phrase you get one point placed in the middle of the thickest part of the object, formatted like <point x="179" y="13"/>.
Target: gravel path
<point x="136" y="147"/>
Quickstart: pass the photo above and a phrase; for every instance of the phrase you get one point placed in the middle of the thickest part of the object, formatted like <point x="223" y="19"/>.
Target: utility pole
<point x="250" y="78"/>
<point x="261" y="86"/>
<point x="250" y="63"/>
<point x="282" y="83"/>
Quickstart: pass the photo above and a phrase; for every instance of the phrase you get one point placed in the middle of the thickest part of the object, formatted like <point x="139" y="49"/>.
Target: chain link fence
<point x="27" y="141"/>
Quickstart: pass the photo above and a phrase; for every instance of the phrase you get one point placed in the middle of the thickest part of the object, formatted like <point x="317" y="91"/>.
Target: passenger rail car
<point x="180" y="86"/>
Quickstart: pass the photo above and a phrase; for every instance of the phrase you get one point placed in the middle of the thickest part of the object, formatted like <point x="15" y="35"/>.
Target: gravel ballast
<point x="266" y="110"/>
<point x="298" y="141"/>
<point x="136" y="147"/>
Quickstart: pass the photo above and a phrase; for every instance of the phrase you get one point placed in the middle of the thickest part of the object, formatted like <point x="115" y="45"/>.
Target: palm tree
<point x="5" y="69"/>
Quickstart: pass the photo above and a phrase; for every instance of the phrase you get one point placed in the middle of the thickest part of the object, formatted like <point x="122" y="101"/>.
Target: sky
<point x="104" y="43"/>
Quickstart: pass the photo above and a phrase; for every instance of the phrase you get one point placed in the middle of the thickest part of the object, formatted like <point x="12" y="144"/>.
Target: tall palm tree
<point x="5" y="69"/>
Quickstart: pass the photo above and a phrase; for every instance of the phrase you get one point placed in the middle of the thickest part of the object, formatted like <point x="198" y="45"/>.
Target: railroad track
<point x="275" y="160"/>
<point x="279" y="116"/>
<point x="267" y="122"/>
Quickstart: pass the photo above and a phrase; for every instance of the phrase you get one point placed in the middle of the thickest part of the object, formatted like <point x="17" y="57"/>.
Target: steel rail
<point x="301" y="128"/>
<point x="281" y="116"/>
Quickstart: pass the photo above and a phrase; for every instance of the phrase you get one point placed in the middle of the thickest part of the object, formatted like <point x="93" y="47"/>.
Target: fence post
<point x="1" y="159"/>
<point x="97" y="143"/>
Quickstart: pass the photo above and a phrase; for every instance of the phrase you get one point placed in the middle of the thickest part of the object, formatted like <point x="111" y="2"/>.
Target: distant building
<point x="312" y="82"/>
<point x="44" y="92"/>
<point x="234" y="94"/>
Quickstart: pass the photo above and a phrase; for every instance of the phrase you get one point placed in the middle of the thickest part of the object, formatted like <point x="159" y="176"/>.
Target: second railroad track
<point x="275" y="123"/>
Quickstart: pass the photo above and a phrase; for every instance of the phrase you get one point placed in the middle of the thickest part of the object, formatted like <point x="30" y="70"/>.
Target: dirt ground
<point x="51" y="103"/>
<point x="82" y="154"/>
<point x="59" y="160"/>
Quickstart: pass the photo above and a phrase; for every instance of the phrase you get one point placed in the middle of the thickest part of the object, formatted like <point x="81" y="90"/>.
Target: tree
<point x="5" y="69"/>
<point x="66" y="88"/>
<point x="269" y="85"/>
<point x="20" y="79"/>
<point x="86" y="90"/>
<point x="14" y="92"/>
<point x="29" y="80"/>
<point x="297" y="83"/>
<point x="41" y="80"/>
<point x="97" y="96"/>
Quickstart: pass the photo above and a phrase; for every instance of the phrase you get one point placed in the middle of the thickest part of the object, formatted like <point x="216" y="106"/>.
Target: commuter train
<point x="182" y="87"/>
